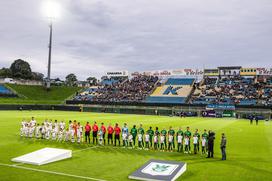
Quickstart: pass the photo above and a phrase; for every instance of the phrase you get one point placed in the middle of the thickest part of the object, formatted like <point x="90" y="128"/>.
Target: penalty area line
<point x="51" y="172"/>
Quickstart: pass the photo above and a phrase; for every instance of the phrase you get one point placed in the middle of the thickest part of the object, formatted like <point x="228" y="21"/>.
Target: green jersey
<point x="157" y="132"/>
<point x="197" y="134"/>
<point x="188" y="134"/>
<point x="171" y="132"/>
<point x="180" y="133"/>
<point x="141" y="131"/>
<point x="205" y="135"/>
<point x="133" y="131"/>
<point x="163" y="132"/>
<point x="150" y="132"/>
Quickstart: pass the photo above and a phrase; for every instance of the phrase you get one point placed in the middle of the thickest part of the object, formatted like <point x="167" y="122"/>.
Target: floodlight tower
<point x="51" y="11"/>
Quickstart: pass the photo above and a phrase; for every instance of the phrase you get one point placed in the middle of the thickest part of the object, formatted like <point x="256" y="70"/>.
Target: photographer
<point x="211" y="139"/>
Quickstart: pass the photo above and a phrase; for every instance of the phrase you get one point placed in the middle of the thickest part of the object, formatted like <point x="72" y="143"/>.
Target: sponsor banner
<point x="211" y="72"/>
<point x="248" y="71"/>
<point x="159" y="170"/>
<point x="220" y="106"/>
<point x="177" y="72"/>
<point x="264" y="71"/>
<point x="209" y="113"/>
<point x="117" y="74"/>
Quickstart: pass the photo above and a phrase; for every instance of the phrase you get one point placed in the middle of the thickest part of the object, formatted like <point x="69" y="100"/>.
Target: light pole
<point x="49" y="56"/>
<point x="51" y="11"/>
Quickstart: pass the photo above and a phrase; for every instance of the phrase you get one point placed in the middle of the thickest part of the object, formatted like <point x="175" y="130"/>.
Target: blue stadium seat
<point x="161" y="99"/>
<point x="248" y="102"/>
<point x="180" y="81"/>
<point x="4" y="90"/>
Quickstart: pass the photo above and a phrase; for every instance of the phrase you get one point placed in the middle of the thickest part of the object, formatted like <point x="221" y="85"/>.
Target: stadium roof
<point x="230" y="68"/>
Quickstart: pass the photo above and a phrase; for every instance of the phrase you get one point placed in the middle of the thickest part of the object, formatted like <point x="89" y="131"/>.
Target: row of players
<point x="159" y="140"/>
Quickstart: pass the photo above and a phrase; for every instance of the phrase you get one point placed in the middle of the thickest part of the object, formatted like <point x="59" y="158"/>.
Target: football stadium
<point x="161" y="120"/>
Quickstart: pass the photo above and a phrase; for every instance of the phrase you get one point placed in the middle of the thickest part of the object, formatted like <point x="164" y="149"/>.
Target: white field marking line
<point x="51" y="172"/>
<point x="18" y="164"/>
<point x="85" y="149"/>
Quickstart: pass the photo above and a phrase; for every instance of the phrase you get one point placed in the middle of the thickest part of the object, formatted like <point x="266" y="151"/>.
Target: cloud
<point x="94" y="36"/>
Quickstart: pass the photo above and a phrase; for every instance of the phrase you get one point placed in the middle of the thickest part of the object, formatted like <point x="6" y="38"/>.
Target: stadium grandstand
<point x="6" y="92"/>
<point x="224" y="85"/>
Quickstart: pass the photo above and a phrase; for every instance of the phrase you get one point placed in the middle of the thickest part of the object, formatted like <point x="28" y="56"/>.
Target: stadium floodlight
<point x="51" y="10"/>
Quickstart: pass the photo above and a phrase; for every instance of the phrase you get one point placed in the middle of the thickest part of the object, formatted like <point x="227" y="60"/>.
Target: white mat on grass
<point x="44" y="156"/>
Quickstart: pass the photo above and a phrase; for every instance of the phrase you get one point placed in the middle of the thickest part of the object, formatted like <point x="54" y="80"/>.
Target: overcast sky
<point x="94" y="36"/>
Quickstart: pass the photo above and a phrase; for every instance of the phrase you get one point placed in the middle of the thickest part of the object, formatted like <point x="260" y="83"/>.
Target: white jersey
<point x="31" y="131"/>
<point x="179" y="139"/>
<point x="140" y="137"/>
<point x="43" y="129"/>
<point x="130" y="138"/>
<point x="33" y="123"/>
<point x="71" y="126"/>
<point x="147" y="138"/>
<point x="79" y="131"/>
<point x="162" y="138"/>
<point x="60" y="135"/>
<point x="170" y="138"/>
<point x="50" y="125"/>
<point x="203" y="142"/>
<point x="124" y="136"/>
<point x="155" y="139"/>
<point x="62" y="125"/>
<point x="186" y="141"/>
<point x="37" y="131"/>
<point x="195" y="139"/>
<point x="54" y="134"/>
<point x="67" y="135"/>
<point x="56" y="126"/>
<point x="24" y="124"/>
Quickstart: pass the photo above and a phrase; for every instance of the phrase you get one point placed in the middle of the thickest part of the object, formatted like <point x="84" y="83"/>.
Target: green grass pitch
<point x="249" y="149"/>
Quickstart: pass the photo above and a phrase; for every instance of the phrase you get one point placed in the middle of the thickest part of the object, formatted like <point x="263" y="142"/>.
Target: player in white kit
<point x="147" y="140"/>
<point x="79" y="133"/>
<point x="38" y="131"/>
<point x="140" y="140"/>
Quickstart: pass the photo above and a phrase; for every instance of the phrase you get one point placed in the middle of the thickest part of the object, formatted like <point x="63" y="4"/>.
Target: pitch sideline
<point x="51" y="172"/>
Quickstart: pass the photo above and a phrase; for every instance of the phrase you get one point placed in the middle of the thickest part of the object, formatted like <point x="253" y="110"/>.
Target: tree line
<point x="21" y="69"/>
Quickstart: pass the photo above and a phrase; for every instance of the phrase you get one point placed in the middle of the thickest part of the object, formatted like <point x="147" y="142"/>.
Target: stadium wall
<point x="40" y="107"/>
<point x="141" y="108"/>
<point x="241" y="111"/>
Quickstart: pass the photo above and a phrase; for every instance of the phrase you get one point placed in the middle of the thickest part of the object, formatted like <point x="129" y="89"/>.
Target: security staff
<point x="210" y="144"/>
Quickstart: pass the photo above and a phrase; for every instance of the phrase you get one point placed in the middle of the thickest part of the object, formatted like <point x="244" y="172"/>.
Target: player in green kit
<point x="156" y="138"/>
<point x="151" y="134"/>
<point x="133" y="132"/>
<point x="188" y="134"/>
<point x="205" y="136"/>
<point x="171" y="140"/>
<point x="164" y="133"/>
<point x="180" y="140"/>
<point x="198" y="135"/>
<point x="141" y="131"/>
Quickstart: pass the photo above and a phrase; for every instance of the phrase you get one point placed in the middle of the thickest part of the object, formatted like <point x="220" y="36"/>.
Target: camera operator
<point x="211" y="139"/>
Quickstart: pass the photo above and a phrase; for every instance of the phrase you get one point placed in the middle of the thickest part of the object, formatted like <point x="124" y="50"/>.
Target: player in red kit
<point x="117" y="132"/>
<point x="87" y="133"/>
<point x="75" y="128"/>
<point x="95" y="130"/>
<point x="110" y="132"/>
<point x="103" y="128"/>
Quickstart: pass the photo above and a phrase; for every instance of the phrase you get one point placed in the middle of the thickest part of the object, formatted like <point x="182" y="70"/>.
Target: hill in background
<point x="29" y="94"/>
